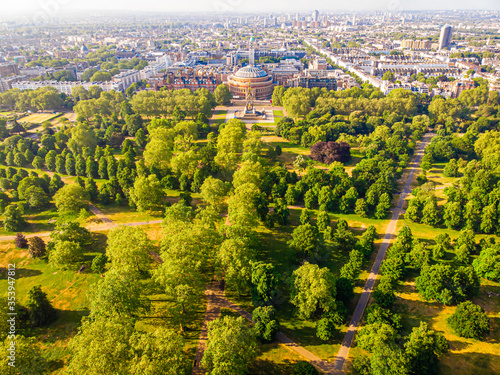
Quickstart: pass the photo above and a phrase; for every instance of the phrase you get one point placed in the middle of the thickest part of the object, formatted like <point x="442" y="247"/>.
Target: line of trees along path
<point x="370" y="282"/>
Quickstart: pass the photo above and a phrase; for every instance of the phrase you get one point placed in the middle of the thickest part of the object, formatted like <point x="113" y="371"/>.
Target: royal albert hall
<point x="260" y="82"/>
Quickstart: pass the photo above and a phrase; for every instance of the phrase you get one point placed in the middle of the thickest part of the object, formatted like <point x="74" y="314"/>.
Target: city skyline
<point x="196" y="6"/>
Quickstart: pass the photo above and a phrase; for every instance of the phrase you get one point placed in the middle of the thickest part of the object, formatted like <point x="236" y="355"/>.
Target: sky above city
<point x="56" y="7"/>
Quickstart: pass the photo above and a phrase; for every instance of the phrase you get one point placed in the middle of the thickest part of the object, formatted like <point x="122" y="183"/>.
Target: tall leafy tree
<point x="231" y="346"/>
<point x="312" y="287"/>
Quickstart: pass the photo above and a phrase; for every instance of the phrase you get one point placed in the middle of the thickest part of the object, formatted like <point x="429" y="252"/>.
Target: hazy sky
<point x="56" y="6"/>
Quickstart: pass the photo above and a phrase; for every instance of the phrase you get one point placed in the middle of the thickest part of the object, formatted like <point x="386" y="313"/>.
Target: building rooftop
<point x="250" y="72"/>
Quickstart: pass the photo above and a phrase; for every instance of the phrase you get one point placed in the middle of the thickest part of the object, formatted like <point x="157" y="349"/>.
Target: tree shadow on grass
<point x="267" y="367"/>
<point x="20" y="273"/>
<point x="470" y="363"/>
<point x="458" y="345"/>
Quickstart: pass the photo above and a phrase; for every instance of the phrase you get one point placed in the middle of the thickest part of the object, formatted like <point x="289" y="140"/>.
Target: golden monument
<point x="249" y="98"/>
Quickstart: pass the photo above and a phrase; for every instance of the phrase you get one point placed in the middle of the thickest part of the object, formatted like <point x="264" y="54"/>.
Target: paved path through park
<point x="390" y="232"/>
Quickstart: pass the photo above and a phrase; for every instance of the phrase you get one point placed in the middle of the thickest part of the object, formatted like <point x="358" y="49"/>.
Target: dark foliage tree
<point x="328" y="152"/>
<point x="21" y="241"/>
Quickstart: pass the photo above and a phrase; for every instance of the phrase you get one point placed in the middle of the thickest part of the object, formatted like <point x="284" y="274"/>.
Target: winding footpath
<point x="370" y="282"/>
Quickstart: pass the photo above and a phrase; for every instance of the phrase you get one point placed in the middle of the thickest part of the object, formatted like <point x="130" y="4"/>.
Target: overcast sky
<point x="56" y="6"/>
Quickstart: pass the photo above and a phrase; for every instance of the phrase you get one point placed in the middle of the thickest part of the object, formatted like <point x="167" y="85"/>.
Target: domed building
<point x="260" y="83"/>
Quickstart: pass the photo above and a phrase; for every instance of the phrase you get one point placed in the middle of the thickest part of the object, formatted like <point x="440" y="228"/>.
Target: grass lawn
<point x="38" y="118"/>
<point x="125" y="214"/>
<point x="219" y="117"/>
<point x="278" y="113"/>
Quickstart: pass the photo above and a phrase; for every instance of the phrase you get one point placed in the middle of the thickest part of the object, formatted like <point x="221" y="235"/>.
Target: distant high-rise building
<point x="354" y="20"/>
<point x="315" y="16"/>
<point x="445" y="37"/>
<point x="297" y="18"/>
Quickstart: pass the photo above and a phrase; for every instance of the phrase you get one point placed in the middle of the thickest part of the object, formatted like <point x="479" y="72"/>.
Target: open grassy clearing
<point x="124" y="214"/>
<point x="38" y="118"/>
<point x="278" y="113"/>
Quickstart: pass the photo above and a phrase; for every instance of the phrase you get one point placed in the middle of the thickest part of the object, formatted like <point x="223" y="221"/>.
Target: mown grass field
<point x="38" y="118"/>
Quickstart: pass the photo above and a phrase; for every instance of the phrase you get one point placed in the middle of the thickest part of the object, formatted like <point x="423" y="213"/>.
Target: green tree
<point x="266" y="323"/>
<point x="70" y="199"/>
<point x="213" y="192"/>
<point x="231" y="346"/>
<point x="325" y="329"/>
<point x="489" y="219"/>
<point x="304" y="368"/>
<point x="360" y="208"/>
<point x="38" y="162"/>
<point x="307" y="240"/>
<point x="41" y="312"/>
<point x="234" y="258"/>
<point x="147" y="194"/>
<point x="469" y="320"/>
<point x="442" y="246"/>
<point x="66" y="255"/>
<point x="383" y="206"/>
<point x="430" y="213"/>
<point x="452" y="215"/>
<point x="129" y="250"/>
<point x="388" y="76"/>
<point x="13" y="221"/>
<point x="277" y="97"/>
<point x="311" y="288"/>
<point x="36" y="197"/>
<point x="445" y="284"/>
<point x="99" y="263"/>
<point x="82" y="136"/>
<point x="264" y="283"/>
<point x="487" y="264"/>
<point x="29" y="358"/>
<point x="375" y="335"/>
<point x="451" y="169"/>
<point x="120" y="294"/>
<point x="222" y="95"/>
<point x="423" y="348"/>
<point x="230" y="144"/>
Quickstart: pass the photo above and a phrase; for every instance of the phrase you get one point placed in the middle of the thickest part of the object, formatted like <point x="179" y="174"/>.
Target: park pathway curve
<point x="389" y="234"/>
